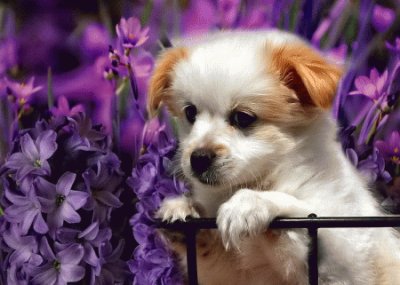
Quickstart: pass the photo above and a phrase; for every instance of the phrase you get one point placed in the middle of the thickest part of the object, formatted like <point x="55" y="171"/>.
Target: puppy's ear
<point x="161" y="79"/>
<point x="303" y="70"/>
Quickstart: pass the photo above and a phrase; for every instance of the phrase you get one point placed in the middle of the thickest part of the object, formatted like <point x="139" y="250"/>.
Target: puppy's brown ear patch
<point x="306" y="72"/>
<point x="161" y="79"/>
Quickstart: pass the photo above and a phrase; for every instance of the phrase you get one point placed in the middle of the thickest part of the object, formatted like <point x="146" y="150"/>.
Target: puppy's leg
<point x="171" y="210"/>
<point x="177" y="208"/>
<point x="248" y="213"/>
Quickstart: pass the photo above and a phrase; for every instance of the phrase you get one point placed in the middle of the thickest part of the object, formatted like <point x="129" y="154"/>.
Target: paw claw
<point x="244" y="215"/>
<point x="176" y="209"/>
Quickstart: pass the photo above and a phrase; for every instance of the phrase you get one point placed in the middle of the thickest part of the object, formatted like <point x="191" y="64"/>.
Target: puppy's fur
<point x="287" y="163"/>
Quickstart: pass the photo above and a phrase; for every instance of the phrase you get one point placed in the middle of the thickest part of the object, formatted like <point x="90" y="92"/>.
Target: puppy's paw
<point x="176" y="208"/>
<point x="245" y="214"/>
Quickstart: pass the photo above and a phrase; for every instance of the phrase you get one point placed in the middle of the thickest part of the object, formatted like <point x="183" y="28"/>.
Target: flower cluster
<point x="61" y="183"/>
<point x="151" y="181"/>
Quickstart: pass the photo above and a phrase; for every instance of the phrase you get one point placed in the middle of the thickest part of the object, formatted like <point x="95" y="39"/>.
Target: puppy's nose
<point x="201" y="159"/>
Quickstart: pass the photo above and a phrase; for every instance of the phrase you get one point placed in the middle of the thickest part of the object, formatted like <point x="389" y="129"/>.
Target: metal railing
<point x="312" y="223"/>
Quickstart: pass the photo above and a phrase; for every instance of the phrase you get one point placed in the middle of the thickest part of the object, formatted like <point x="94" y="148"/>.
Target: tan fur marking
<point x="161" y="79"/>
<point x="280" y="105"/>
<point x="303" y="70"/>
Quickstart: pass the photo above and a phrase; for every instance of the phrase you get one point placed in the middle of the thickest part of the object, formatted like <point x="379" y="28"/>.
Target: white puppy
<point x="257" y="142"/>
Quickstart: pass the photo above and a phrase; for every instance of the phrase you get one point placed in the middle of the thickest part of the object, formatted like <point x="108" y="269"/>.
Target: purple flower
<point x="22" y="91"/>
<point x="102" y="183"/>
<point x="59" y="201"/>
<point x="130" y="33"/>
<point x="63" y="108"/>
<point x="395" y="48"/>
<point x="382" y="18"/>
<point x="25" y="211"/>
<point x="373" y="167"/>
<point x="113" y="269"/>
<point x="92" y="237"/>
<point x="34" y="155"/>
<point x="60" y="268"/>
<point x="25" y="247"/>
<point x="390" y="149"/>
<point x="372" y="86"/>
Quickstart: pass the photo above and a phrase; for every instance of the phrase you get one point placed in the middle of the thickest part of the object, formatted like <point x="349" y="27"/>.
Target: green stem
<point x="50" y="93"/>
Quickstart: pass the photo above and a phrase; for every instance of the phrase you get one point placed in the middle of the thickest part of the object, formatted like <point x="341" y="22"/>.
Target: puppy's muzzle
<point x="201" y="160"/>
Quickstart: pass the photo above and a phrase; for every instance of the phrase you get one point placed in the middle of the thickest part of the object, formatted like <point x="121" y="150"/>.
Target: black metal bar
<point x="312" y="223"/>
<point x="313" y="253"/>
<point x="191" y="256"/>
<point x="297" y="223"/>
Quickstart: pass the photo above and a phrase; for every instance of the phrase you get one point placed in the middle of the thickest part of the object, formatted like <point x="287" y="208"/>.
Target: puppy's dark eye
<point x="242" y="119"/>
<point x="190" y="113"/>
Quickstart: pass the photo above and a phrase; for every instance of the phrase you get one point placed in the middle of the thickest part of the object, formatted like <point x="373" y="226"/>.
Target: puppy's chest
<point x="258" y="263"/>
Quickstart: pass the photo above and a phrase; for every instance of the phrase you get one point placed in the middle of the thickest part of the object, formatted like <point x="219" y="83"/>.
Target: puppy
<point x="257" y="142"/>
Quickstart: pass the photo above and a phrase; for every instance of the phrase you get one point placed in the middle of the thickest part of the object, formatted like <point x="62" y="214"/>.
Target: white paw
<point x="176" y="208"/>
<point x="245" y="214"/>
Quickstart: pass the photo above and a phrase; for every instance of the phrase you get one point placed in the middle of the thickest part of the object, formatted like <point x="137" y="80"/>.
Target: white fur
<point x="291" y="174"/>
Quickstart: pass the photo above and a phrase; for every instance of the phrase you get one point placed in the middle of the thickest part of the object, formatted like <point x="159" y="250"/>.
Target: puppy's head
<point x="242" y="102"/>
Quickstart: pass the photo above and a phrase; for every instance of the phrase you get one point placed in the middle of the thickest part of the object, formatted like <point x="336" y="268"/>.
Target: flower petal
<point x="90" y="256"/>
<point x="39" y="225"/>
<point x="71" y="255"/>
<point x="77" y="199"/>
<point x="55" y="219"/>
<point x="28" y="220"/>
<point x="48" y="275"/>
<point x="68" y="213"/>
<point x="29" y="148"/>
<point x="45" y="188"/>
<point x="46" y="143"/>
<point x="90" y="232"/>
<point x="72" y="273"/>
<point x="46" y="250"/>
<point x="108" y="199"/>
<point x="24" y="171"/>
<point x="65" y="183"/>
<point x="47" y="204"/>
<point x="16" y="161"/>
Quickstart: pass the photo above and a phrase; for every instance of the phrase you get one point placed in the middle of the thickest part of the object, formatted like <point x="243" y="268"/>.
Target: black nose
<point x="201" y="159"/>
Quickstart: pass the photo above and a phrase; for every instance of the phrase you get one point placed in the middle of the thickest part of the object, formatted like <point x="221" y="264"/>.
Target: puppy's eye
<point x="190" y="113"/>
<point x="242" y="119"/>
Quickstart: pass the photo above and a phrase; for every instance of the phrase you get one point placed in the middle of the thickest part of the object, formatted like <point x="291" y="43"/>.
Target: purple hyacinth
<point x="59" y="201"/>
<point x="25" y="247"/>
<point x="113" y="269"/>
<point x="60" y="267"/>
<point x="63" y="108"/>
<point x="372" y="86"/>
<point x="23" y="257"/>
<point x="103" y="182"/>
<point x="22" y="91"/>
<point x="130" y="33"/>
<point x="25" y="210"/>
<point x="90" y="238"/>
<point x="32" y="159"/>
<point x="151" y="181"/>
<point x="373" y="167"/>
<point x="390" y="148"/>
<point x="382" y="18"/>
